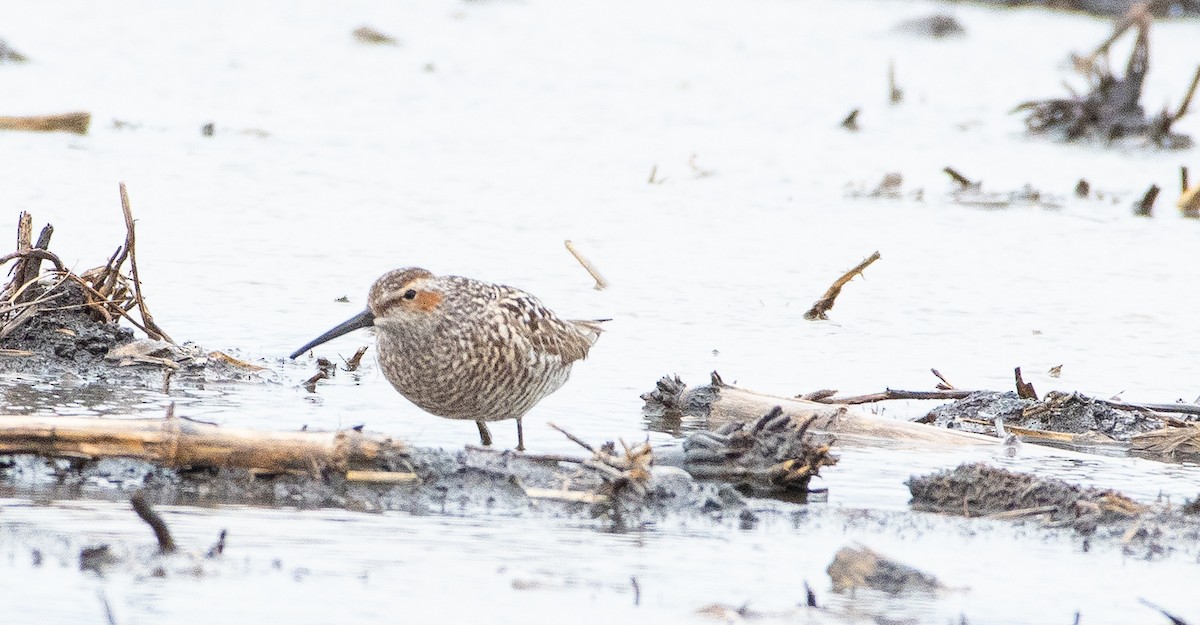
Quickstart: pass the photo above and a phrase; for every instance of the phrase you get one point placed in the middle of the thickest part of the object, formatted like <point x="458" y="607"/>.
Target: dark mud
<point x="1070" y="413"/>
<point x="710" y="477"/>
<point x="979" y="490"/>
<point x="467" y="482"/>
<point x="67" y="345"/>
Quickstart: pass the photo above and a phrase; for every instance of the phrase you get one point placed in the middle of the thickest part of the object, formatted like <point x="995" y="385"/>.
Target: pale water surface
<point x="498" y="129"/>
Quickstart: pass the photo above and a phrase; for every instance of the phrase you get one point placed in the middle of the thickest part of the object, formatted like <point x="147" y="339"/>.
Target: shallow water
<point x="498" y="129"/>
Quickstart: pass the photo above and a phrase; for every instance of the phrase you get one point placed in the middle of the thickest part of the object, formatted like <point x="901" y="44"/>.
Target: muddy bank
<point x="65" y="344"/>
<point x="1140" y="530"/>
<point x="1094" y="421"/>
<point x="465" y="482"/>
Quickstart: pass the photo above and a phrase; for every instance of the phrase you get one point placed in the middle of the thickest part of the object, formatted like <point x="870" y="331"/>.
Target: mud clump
<point x="772" y="455"/>
<point x="1069" y="413"/>
<point x="64" y="340"/>
<point x="981" y="406"/>
<point x="469" y="482"/>
<point x="860" y="567"/>
<point x="65" y="335"/>
<point x="975" y="490"/>
<point x="1098" y="516"/>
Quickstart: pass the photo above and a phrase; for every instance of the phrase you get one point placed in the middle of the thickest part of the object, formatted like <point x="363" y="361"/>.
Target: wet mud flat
<point x="750" y="464"/>
<point x="864" y="583"/>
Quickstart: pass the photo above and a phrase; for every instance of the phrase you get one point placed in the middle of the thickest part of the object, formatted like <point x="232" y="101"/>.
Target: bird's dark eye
<point x="410" y="294"/>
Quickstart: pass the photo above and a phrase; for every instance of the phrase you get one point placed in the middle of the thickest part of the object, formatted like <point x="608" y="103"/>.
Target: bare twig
<point x="1187" y="98"/>
<point x="1145" y="208"/>
<point x="820" y="395"/>
<point x="152" y="329"/>
<point x="356" y="359"/>
<point x="165" y="543"/>
<point x="573" y="438"/>
<point x="218" y="548"/>
<point x="1024" y="389"/>
<point x="962" y="180"/>
<point x="67" y="122"/>
<point x="1137" y="14"/>
<point x="570" y="496"/>
<point x="91" y="291"/>
<point x="1022" y="513"/>
<point x="945" y="384"/>
<point x="382" y="477"/>
<point x="821" y="306"/>
<point x="311" y="384"/>
<point x="601" y="283"/>
<point x="109" y="617"/>
<point x="895" y="93"/>
<point x="851" y="121"/>
<point x="42" y="254"/>
<point x="1178" y="408"/>
<point x="1175" y="620"/>
<point x="890" y="394"/>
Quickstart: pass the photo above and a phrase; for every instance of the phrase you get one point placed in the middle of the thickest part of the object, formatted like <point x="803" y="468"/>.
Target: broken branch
<point x="821" y="306"/>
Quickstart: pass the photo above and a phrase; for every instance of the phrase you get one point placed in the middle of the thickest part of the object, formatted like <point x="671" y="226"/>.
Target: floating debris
<point x="850" y="122"/>
<point x="77" y="123"/>
<point x="368" y="35"/>
<point x="969" y="192"/>
<point x="861" y="567"/>
<point x="9" y="55"/>
<point x="601" y="283"/>
<point x="1111" y="109"/>
<point x="823" y="305"/>
<point x="977" y="490"/>
<point x="934" y="26"/>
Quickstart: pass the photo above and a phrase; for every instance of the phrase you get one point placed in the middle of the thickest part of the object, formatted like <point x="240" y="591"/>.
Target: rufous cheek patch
<point x="427" y="300"/>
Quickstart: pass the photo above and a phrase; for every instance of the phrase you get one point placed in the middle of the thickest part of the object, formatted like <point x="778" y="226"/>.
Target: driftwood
<point x="1169" y="440"/>
<point x="179" y="442"/>
<point x="721" y="403"/>
<point x="822" y="306"/>
<point x="66" y="122"/>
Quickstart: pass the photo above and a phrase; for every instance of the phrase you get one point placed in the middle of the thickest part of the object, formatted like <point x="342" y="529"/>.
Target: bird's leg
<point x="485" y="437"/>
<point x="520" y="435"/>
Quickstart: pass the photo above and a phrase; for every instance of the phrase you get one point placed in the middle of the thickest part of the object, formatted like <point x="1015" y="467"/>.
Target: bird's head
<point x="400" y="298"/>
<point x="404" y="294"/>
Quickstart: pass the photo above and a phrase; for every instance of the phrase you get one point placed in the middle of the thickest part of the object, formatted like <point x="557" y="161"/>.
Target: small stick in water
<point x="962" y="180"/>
<point x="821" y="306"/>
<point x="895" y="93"/>
<point x="1024" y="389"/>
<point x="356" y="359"/>
<point x="851" y="121"/>
<point x="165" y="543"/>
<point x="579" y="441"/>
<point x="601" y="283"/>
<point x="311" y="384"/>
<point x="945" y="384"/>
<point x="1145" y="208"/>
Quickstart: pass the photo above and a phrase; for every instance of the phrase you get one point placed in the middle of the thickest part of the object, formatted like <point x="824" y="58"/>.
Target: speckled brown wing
<point x="547" y="335"/>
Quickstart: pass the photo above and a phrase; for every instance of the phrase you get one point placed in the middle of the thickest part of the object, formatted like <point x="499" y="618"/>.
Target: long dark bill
<point x="363" y="319"/>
